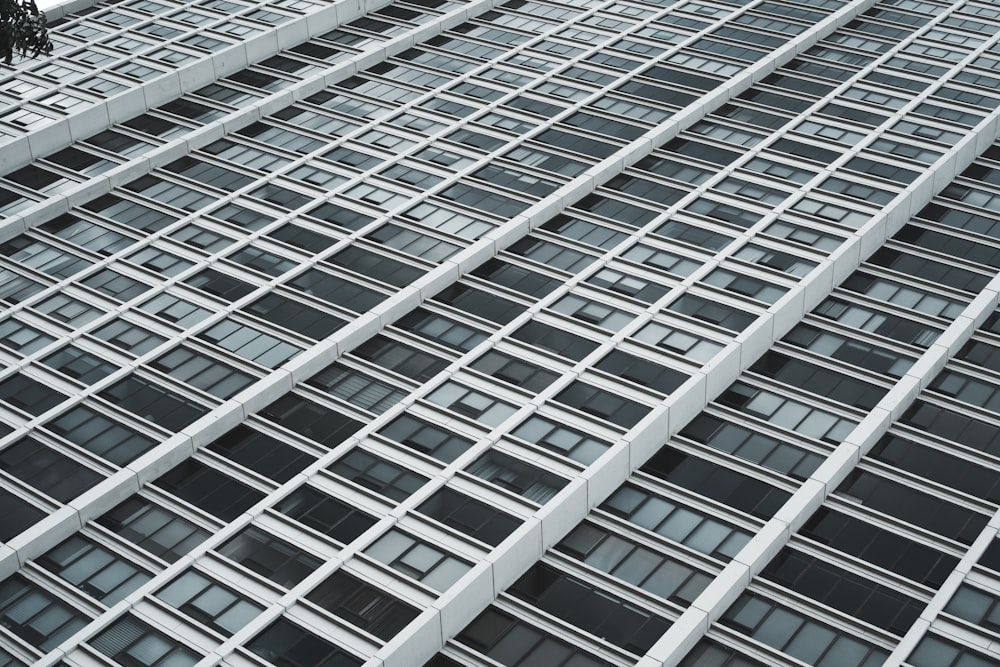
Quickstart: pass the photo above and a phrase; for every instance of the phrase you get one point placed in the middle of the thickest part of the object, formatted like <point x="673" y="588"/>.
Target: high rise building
<point x="529" y="333"/>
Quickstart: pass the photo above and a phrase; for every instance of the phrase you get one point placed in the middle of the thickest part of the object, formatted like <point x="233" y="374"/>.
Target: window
<point x="252" y="344"/>
<point x="284" y="643"/>
<point x="358" y="388"/>
<point x="853" y="351"/>
<point x="400" y="358"/>
<point x="920" y="508"/>
<point x="472" y="403"/>
<point x="743" y="285"/>
<point x="264" y="454"/>
<point x="752" y="445"/>
<point x="714" y="481"/>
<point x="469" y="516"/>
<point x="208" y="489"/>
<point x="694" y="529"/>
<point x="18" y="516"/>
<point x="882" y="547"/>
<point x="814" y="577"/>
<point x="560" y="439"/>
<point x="716" y="313"/>
<point x="787" y="413"/>
<point x="146" y="399"/>
<point x="516" y="476"/>
<point x="480" y="303"/>
<point x="603" y="404"/>
<point x="36" y="616"/>
<point x="426" y="438"/>
<point x="880" y="322"/>
<point x="270" y="557"/>
<point x="29" y="395"/>
<point x="377" y="266"/>
<point x="418" y="560"/>
<point x="442" y="330"/>
<point x="311" y="420"/>
<point x="710" y="653"/>
<point x="553" y="339"/>
<point x="128" y="337"/>
<point x="514" y="643"/>
<point x="47" y="470"/>
<point x="220" y="285"/>
<point x="208" y="602"/>
<point x="954" y="425"/>
<point x="157" y="530"/>
<point x="201" y="371"/>
<point x="799" y="636"/>
<point x="175" y="310"/>
<point x="22" y="338"/>
<point x="593" y="312"/>
<point x="677" y="341"/>
<point x="95" y="570"/>
<point x="933" y="651"/>
<point x="363" y="605"/>
<point x="808" y="376"/>
<point x="337" y="290"/>
<point x="643" y="372"/>
<point x="133" y="643"/>
<point x="324" y="514"/>
<point x="375" y="473"/>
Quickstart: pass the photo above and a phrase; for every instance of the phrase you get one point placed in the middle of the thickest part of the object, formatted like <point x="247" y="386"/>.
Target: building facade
<point x="525" y="333"/>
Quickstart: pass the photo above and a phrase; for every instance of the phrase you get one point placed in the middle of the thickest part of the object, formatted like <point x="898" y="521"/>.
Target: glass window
<point x="517" y="476"/>
<point x="787" y="413"/>
<point x="562" y="440"/>
<point x="134" y="643"/>
<point x="252" y="344"/>
<point x="603" y="404"/>
<point x="284" y="643"/>
<point x="375" y="473"/>
<point x="400" y="358"/>
<point x="203" y="372"/>
<point x="282" y="562"/>
<point x="94" y="569"/>
<point x="514" y="643"/>
<point x="159" y="531"/>
<point x="693" y="528"/>
<point x="469" y="516"/>
<point x="641" y="566"/>
<point x="148" y="400"/>
<point x="798" y="635"/>
<point x="325" y="514"/>
<point x="208" y="602"/>
<point x="514" y="370"/>
<point x="311" y="420"/>
<point x="36" y="616"/>
<point x="29" y="395"/>
<point x="418" y="560"/>
<point x="426" y="438"/>
<point x="264" y="454"/>
<point x="883" y="547"/>
<point x="577" y="602"/>
<point x="913" y="505"/>
<point x="47" y="470"/>
<point x="815" y="577"/>
<point x="752" y="445"/>
<point x="363" y="605"/>
<point x="209" y="489"/>
<point x="472" y="403"/>
<point x="712" y="480"/>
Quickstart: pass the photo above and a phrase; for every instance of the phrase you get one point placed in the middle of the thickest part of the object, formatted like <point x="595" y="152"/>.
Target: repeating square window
<point x="94" y="569"/>
<point x="208" y="602"/>
<point x="469" y="516"/>
<point x="363" y="605"/>
<point x="418" y="560"/>
<point x="285" y="643"/>
<point x="135" y="643"/>
<point x="270" y="557"/>
<point x="325" y="514"/>
<point x="36" y="615"/>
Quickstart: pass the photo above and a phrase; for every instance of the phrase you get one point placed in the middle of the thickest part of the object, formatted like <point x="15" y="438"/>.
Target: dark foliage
<point x="22" y="30"/>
